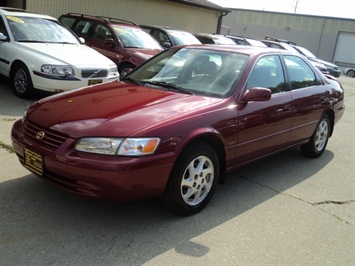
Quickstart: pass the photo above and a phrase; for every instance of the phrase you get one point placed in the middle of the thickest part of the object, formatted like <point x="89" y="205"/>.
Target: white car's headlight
<point x="118" y="146"/>
<point x="59" y="70"/>
<point x="113" y="71"/>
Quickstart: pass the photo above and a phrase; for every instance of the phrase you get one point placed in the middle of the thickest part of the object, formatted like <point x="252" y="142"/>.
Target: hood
<point x="72" y="54"/>
<point x="114" y="109"/>
<point x="144" y="54"/>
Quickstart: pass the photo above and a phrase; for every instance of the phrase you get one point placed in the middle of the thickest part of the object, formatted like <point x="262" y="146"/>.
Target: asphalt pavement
<point x="283" y="210"/>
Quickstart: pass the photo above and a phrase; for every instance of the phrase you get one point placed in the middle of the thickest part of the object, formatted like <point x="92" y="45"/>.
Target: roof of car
<point x="164" y="28"/>
<point x="108" y="20"/>
<point x="9" y="11"/>
<point x="245" y="49"/>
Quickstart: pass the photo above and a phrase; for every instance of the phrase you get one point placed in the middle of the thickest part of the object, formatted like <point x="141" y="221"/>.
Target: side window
<point x="82" y="28"/>
<point x="2" y="27"/>
<point x="160" y="36"/>
<point x="101" y="33"/>
<point x="300" y="74"/>
<point x="67" y="21"/>
<point x="268" y="73"/>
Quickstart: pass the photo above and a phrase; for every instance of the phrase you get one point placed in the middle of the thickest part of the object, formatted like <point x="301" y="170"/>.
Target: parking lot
<point x="286" y="209"/>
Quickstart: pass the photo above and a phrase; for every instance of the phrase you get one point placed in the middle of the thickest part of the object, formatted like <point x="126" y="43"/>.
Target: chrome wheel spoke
<point x="197" y="180"/>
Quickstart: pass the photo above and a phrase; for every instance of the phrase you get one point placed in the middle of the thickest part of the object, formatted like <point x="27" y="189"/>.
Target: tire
<point x="193" y="180"/>
<point x="21" y="81"/>
<point x="125" y="69"/>
<point x="319" y="140"/>
<point x="351" y="73"/>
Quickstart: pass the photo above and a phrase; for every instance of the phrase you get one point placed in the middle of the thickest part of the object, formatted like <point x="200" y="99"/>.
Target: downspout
<point x="220" y="18"/>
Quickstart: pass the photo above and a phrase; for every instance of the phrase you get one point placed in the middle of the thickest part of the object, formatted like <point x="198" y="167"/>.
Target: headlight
<point x="113" y="71"/>
<point x="59" y="70"/>
<point x="118" y="146"/>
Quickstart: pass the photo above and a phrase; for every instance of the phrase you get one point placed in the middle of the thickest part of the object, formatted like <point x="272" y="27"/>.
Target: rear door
<point x="265" y="126"/>
<point x="309" y="97"/>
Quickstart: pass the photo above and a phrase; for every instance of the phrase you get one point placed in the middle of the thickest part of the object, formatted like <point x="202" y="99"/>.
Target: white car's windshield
<point x="193" y="71"/>
<point x="33" y="29"/>
<point x="181" y="37"/>
<point x="305" y="52"/>
<point x="135" y="38"/>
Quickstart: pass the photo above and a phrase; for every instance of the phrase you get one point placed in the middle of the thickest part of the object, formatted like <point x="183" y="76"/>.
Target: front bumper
<point x="106" y="177"/>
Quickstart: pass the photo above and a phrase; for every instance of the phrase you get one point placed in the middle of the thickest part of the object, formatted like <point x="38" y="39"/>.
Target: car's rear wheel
<point x="21" y="81"/>
<point x="193" y="180"/>
<point x="351" y="73"/>
<point x="318" y="142"/>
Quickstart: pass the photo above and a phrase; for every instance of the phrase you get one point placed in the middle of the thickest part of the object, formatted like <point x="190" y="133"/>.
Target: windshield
<point x="135" y="38"/>
<point x="196" y="71"/>
<point x="256" y="43"/>
<point x="223" y="40"/>
<point x="181" y="37"/>
<point x="305" y="52"/>
<point x="32" y="29"/>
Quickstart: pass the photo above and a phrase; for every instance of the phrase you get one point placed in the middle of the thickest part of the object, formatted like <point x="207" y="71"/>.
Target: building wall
<point x="317" y="34"/>
<point x="150" y="12"/>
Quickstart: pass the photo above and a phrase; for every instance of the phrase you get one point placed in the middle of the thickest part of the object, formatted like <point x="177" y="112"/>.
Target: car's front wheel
<point x="193" y="179"/>
<point x="125" y="69"/>
<point x="351" y="73"/>
<point x="21" y="81"/>
<point x="318" y="142"/>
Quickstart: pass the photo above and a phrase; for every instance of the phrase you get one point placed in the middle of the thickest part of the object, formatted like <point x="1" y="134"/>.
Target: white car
<point x="349" y="72"/>
<point x="38" y="52"/>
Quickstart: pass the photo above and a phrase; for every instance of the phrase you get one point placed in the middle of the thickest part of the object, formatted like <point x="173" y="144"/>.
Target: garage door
<point x="345" y="49"/>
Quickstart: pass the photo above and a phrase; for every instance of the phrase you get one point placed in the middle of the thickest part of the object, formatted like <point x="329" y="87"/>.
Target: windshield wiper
<point x="63" y="42"/>
<point x="169" y="86"/>
<point x="20" y="40"/>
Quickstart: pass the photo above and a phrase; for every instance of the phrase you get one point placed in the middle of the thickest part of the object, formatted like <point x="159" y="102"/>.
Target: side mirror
<point x="257" y="94"/>
<point x="167" y="45"/>
<point x="110" y="42"/>
<point x="3" y="37"/>
<point x="82" y="40"/>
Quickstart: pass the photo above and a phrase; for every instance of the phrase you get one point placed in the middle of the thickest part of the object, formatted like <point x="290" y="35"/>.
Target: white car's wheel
<point x="351" y="73"/>
<point x="21" y="81"/>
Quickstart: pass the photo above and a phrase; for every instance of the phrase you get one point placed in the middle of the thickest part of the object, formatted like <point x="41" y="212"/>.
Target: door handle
<point x="285" y="108"/>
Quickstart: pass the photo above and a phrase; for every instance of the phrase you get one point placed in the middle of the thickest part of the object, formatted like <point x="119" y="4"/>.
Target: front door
<point x="265" y="126"/>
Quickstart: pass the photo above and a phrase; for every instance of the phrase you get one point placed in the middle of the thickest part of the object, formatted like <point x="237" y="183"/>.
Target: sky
<point x="328" y="8"/>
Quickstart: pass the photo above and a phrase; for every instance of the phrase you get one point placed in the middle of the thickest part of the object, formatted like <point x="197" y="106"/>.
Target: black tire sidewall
<point x="309" y="149"/>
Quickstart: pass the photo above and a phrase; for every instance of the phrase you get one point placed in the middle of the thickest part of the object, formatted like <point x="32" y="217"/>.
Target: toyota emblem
<point x="40" y="135"/>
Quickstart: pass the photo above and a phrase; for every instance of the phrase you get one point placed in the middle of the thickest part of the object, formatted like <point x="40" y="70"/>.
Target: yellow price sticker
<point x="15" y="19"/>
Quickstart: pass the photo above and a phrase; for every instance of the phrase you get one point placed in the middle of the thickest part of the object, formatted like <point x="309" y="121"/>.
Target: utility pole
<point x="296" y="6"/>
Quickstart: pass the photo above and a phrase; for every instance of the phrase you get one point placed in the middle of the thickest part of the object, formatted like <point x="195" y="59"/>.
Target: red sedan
<point x="176" y="125"/>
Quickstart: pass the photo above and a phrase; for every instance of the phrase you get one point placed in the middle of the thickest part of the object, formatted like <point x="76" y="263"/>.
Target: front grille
<point x="51" y="140"/>
<point x="94" y="73"/>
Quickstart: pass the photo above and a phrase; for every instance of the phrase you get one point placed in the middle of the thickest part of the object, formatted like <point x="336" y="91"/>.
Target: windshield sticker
<point x="15" y="19"/>
<point x="120" y="30"/>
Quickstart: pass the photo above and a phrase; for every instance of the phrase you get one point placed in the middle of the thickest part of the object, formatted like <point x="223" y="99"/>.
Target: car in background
<point x="349" y="72"/>
<point x="245" y="41"/>
<point x="213" y="39"/>
<point x="38" y="52"/>
<point x="123" y="41"/>
<point x="169" y="37"/>
<point x="332" y="68"/>
<point x="175" y="125"/>
<point x="286" y="45"/>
